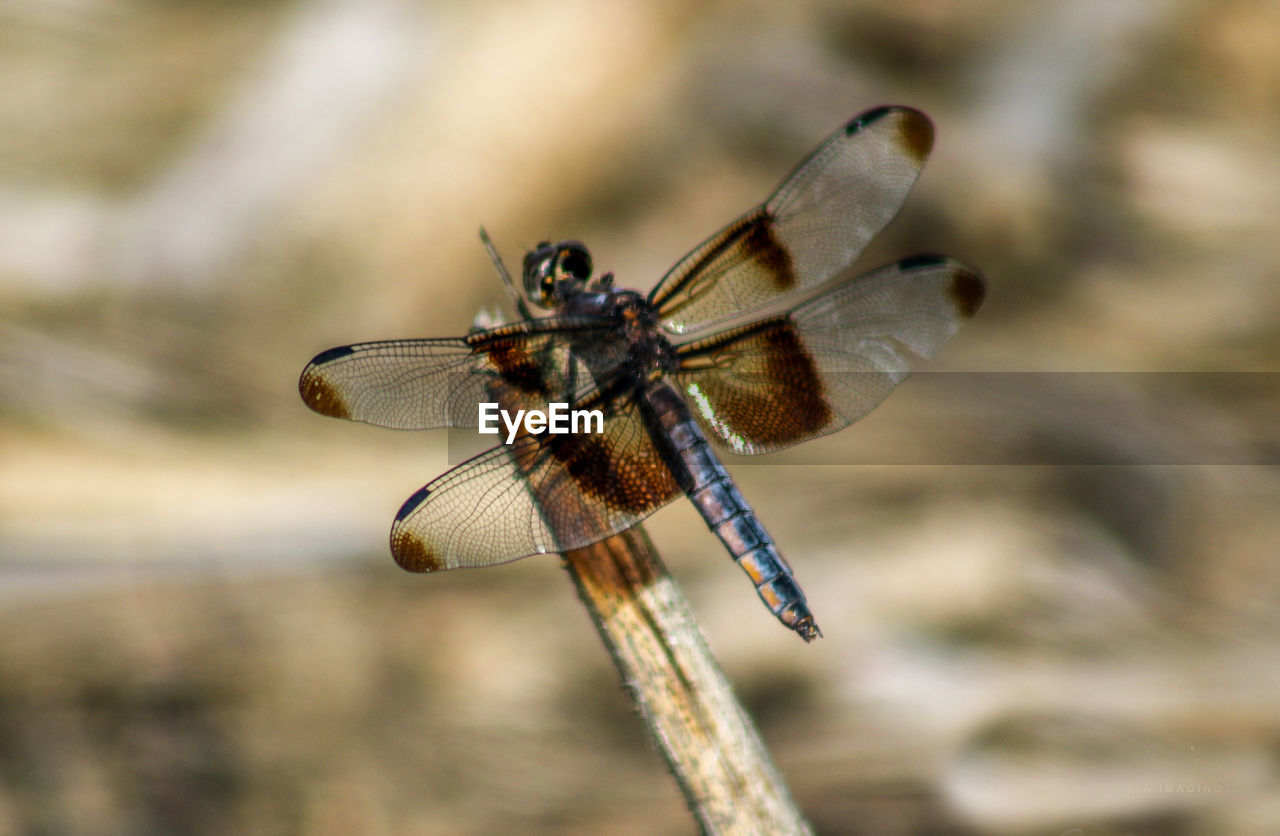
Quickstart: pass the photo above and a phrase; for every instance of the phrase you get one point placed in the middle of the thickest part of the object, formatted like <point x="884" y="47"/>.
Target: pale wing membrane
<point x="829" y="362"/>
<point x="816" y="223"/>
<point x="430" y="383"/>
<point x="544" y="493"/>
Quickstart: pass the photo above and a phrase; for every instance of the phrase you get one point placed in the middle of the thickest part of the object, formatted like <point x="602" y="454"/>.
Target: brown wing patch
<point x="750" y="244"/>
<point x="408" y="548"/>
<point x="915" y="133"/>
<point x="774" y="395"/>
<point x="320" y="395"/>
<point x="517" y="365"/>
<point x="762" y="244"/>
<point x="967" y="291"/>
<point x="634" y="481"/>
<point x="413" y="555"/>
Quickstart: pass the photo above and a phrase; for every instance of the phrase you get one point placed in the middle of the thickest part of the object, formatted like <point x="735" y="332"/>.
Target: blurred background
<point x="1047" y="582"/>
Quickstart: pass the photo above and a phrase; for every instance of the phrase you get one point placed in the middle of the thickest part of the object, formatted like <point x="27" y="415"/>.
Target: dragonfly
<point x="751" y="341"/>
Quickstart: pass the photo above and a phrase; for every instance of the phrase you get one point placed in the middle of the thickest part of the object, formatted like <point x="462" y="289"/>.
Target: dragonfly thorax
<point x="648" y="349"/>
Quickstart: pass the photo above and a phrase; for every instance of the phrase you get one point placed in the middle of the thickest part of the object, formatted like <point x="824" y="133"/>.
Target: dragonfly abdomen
<point x="726" y="513"/>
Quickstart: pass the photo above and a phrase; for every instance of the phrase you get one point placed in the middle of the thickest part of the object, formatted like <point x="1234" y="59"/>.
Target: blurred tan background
<point x="1052" y="604"/>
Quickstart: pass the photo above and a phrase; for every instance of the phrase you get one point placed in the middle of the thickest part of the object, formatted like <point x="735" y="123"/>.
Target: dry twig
<point x="707" y="738"/>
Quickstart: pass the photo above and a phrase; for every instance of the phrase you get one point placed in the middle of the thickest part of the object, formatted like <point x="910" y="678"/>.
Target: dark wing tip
<point x="411" y="504"/>
<point x="869" y="117"/>
<point x="915" y="262"/>
<point x="329" y="355"/>
<point x="915" y="130"/>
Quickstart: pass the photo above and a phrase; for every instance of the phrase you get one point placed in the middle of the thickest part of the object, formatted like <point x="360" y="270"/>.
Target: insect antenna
<point x="518" y="299"/>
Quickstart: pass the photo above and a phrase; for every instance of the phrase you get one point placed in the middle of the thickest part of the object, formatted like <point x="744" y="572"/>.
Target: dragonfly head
<point x="553" y="272"/>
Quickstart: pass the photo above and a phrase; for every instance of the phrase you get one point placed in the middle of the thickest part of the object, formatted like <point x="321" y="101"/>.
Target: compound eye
<point x="575" y="261"/>
<point x="539" y="274"/>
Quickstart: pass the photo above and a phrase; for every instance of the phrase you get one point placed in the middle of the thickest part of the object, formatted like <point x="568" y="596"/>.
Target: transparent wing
<point x="544" y="493"/>
<point x="428" y="383"/>
<point x="815" y="224"/>
<point x="785" y="379"/>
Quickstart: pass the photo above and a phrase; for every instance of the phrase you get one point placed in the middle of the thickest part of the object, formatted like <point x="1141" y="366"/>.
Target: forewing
<point x="796" y="376"/>
<point x="544" y="493"/>
<point x="429" y="383"/>
<point x="815" y="224"/>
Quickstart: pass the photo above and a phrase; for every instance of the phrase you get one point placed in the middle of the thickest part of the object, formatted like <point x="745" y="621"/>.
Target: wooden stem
<point x="709" y="742"/>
